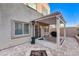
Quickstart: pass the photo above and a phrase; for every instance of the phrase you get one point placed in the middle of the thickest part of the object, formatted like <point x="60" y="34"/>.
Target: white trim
<point x="23" y="28"/>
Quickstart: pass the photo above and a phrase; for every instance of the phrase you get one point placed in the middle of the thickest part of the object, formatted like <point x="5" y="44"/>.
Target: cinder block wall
<point x="70" y="31"/>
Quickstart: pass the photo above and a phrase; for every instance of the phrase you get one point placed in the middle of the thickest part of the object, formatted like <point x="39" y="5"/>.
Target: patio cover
<point x="51" y="19"/>
<point x="55" y="18"/>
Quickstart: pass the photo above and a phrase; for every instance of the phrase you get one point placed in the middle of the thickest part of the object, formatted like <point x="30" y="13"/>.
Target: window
<point x="21" y="28"/>
<point x="18" y="28"/>
<point x="26" y="28"/>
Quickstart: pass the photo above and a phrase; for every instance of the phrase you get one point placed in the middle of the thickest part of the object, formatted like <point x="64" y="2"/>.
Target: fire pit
<point x="38" y="53"/>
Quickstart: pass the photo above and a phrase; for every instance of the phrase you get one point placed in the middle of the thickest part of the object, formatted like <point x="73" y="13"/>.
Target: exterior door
<point x="37" y="31"/>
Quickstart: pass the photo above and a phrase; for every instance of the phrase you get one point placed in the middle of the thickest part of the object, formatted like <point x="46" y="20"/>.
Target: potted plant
<point x="33" y="40"/>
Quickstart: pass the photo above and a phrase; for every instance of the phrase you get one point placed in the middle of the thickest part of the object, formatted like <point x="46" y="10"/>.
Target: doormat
<point x="38" y="53"/>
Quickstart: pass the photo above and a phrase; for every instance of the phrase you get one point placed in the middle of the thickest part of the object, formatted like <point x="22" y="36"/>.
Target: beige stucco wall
<point x="18" y="12"/>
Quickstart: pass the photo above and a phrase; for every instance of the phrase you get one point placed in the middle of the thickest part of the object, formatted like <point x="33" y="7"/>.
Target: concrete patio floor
<point x="70" y="47"/>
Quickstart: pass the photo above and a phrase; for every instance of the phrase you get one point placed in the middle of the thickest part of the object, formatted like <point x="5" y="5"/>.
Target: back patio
<point x="42" y="26"/>
<point x="68" y="49"/>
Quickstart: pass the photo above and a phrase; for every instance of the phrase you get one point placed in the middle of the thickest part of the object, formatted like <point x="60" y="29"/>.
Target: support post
<point x="38" y="28"/>
<point x="48" y="29"/>
<point x="58" y="32"/>
<point x="64" y="31"/>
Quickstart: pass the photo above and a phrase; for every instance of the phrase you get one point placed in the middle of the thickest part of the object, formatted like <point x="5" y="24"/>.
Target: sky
<point x="70" y="12"/>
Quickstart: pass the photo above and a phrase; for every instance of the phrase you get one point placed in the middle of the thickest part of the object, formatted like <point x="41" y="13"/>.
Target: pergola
<point x="55" y="18"/>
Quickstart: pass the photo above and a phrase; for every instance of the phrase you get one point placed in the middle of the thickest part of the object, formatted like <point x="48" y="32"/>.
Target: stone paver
<point x="70" y="47"/>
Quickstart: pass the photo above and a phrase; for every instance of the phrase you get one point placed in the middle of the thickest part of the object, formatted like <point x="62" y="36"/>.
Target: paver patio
<point x="69" y="47"/>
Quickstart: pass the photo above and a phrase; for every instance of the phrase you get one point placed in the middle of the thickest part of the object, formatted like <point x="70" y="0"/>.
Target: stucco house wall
<point x="41" y="6"/>
<point x="0" y="25"/>
<point x="18" y="12"/>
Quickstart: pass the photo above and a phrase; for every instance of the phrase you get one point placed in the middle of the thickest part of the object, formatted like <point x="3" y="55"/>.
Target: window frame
<point x="20" y="35"/>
